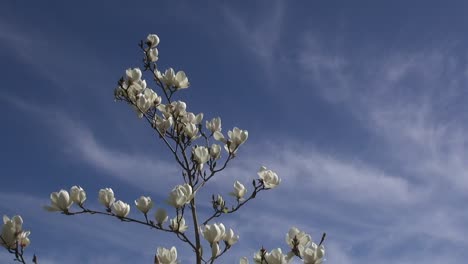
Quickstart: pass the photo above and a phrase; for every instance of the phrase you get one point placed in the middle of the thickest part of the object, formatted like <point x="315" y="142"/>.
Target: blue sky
<point x="359" y="107"/>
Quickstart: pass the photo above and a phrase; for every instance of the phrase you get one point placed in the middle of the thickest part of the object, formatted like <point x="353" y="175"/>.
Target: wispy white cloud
<point x="260" y="34"/>
<point x="79" y="143"/>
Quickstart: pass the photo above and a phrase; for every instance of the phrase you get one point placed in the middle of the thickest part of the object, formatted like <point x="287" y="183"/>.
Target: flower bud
<point x="161" y="216"/>
<point x="106" y="197"/>
<point x="153" y="55"/>
<point x="239" y="190"/>
<point x="215" y="151"/>
<point x="152" y="40"/>
<point x="78" y="195"/>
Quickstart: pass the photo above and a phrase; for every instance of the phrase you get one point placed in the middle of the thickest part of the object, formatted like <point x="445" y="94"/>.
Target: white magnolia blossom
<point x="120" y="208"/>
<point x="23" y="239"/>
<point x="276" y="256"/>
<point x="166" y="110"/>
<point x="215" y="250"/>
<point x="161" y="216"/>
<point x="60" y="201"/>
<point x="177" y="108"/>
<point x="144" y="204"/>
<point x="152" y="40"/>
<point x="191" y="131"/>
<point x="178" y="224"/>
<point x="214" y="233"/>
<point x="180" y="195"/>
<point x="236" y="138"/>
<point x="135" y="89"/>
<point x="134" y="74"/>
<point x="153" y="55"/>
<point x="77" y="195"/>
<point x="244" y="260"/>
<point x="214" y="125"/>
<point x="12" y="232"/>
<point x="166" y="256"/>
<point x="146" y="99"/>
<point x="177" y="80"/>
<point x="215" y="151"/>
<point x="106" y="197"/>
<point x="163" y="124"/>
<point x="191" y="118"/>
<point x="230" y="238"/>
<point x="200" y="155"/>
<point x="269" y="178"/>
<point x="302" y="239"/>
<point x="217" y="135"/>
<point x="314" y="254"/>
<point x="239" y="190"/>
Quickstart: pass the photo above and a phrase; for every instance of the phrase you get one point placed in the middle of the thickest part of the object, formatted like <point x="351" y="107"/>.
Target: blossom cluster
<point x="13" y="235"/>
<point x="300" y="244"/>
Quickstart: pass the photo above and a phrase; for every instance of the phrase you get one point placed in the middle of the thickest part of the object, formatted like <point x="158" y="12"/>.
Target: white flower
<point x="161" y="216"/>
<point x="215" y="250"/>
<point x="10" y="230"/>
<point x="217" y="135"/>
<point x="180" y="195"/>
<point x="153" y="55"/>
<point x="144" y="204"/>
<point x="147" y="99"/>
<point x="168" y="77"/>
<point x="133" y="74"/>
<point x="23" y="239"/>
<point x="244" y="260"/>
<point x="269" y="178"/>
<point x="302" y="239"/>
<point x="236" y="138"/>
<point x="214" y="233"/>
<point x="179" y="108"/>
<point x="178" y="224"/>
<point x="192" y="118"/>
<point x="239" y="190"/>
<point x="135" y="90"/>
<point x="200" y="155"/>
<point x="314" y="254"/>
<point x="166" y="256"/>
<point x="121" y="209"/>
<point x="215" y="151"/>
<point x="230" y="238"/>
<point x="78" y="195"/>
<point x="191" y="131"/>
<point x="60" y="201"/>
<point x="276" y="256"/>
<point x="179" y="80"/>
<point x="152" y="40"/>
<point x="220" y="201"/>
<point x="214" y="125"/>
<point x="106" y="197"/>
<point x="163" y="124"/>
